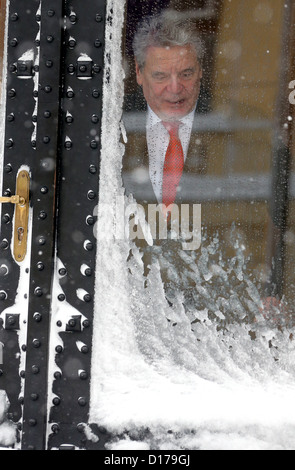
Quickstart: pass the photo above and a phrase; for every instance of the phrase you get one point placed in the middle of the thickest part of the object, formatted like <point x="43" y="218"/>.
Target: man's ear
<point x="138" y="74"/>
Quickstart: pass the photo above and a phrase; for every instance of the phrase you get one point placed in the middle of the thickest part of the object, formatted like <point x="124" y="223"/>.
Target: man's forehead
<point x="156" y="55"/>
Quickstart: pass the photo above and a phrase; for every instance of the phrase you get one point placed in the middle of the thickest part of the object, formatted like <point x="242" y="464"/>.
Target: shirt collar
<point x="153" y="119"/>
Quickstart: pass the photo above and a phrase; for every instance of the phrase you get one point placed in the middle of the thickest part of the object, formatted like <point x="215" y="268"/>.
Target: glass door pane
<point x="187" y="337"/>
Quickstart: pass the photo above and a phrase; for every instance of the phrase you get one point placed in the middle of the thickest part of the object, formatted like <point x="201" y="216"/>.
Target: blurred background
<point x="244" y="133"/>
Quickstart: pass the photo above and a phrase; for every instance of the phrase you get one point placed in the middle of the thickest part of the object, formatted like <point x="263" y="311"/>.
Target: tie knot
<point x="172" y="127"/>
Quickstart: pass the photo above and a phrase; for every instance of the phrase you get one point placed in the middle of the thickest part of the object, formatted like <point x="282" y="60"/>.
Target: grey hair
<point x="170" y="28"/>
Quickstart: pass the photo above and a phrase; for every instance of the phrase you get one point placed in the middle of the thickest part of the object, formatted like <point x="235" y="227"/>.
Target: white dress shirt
<point x="157" y="142"/>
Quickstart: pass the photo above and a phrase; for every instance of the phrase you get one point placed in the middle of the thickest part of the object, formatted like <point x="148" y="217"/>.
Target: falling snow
<point x="163" y="387"/>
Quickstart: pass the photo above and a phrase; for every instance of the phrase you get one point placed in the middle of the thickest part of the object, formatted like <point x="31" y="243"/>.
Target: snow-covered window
<point x="195" y="343"/>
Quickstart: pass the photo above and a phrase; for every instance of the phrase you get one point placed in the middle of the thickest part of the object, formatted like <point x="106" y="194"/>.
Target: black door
<point x="52" y="84"/>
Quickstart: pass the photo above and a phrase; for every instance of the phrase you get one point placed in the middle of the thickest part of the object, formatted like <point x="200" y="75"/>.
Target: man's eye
<point x="159" y="76"/>
<point x="187" y="74"/>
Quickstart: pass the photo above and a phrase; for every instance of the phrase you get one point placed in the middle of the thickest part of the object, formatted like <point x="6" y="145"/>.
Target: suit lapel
<point x="188" y="170"/>
<point x="139" y="184"/>
<point x="135" y="173"/>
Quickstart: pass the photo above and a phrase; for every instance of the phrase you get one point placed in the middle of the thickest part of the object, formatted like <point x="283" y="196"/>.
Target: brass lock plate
<point x="21" y="216"/>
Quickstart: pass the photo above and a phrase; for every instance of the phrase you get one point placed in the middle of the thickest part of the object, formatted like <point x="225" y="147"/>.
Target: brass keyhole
<point x="20" y="233"/>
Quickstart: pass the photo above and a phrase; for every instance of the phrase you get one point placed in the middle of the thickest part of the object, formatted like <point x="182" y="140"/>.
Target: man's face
<point x="170" y="80"/>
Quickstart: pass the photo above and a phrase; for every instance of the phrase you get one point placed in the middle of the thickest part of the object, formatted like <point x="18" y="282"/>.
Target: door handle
<point x="21" y="214"/>
<point x="13" y="200"/>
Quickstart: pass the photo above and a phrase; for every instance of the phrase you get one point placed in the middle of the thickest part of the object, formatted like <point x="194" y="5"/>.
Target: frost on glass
<point x="184" y="354"/>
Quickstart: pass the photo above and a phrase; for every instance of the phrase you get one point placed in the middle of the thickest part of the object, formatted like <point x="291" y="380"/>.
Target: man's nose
<point x="174" y="85"/>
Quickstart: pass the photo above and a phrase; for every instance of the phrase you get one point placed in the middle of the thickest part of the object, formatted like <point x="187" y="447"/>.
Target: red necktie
<point x="173" y="165"/>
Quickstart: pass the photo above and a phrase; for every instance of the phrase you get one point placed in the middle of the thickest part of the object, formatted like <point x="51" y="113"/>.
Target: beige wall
<point x="246" y="84"/>
<point x="246" y="79"/>
<point x="248" y="56"/>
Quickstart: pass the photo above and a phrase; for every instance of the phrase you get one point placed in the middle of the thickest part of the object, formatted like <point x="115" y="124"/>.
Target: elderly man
<point x="168" y="55"/>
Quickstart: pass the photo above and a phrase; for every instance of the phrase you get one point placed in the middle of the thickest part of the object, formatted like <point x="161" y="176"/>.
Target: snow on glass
<point x="201" y="389"/>
<point x="209" y="388"/>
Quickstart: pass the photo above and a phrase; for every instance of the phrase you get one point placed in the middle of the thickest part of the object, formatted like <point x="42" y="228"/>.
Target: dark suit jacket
<point x="136" y="181"/>
<point x="139" y="184"/>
